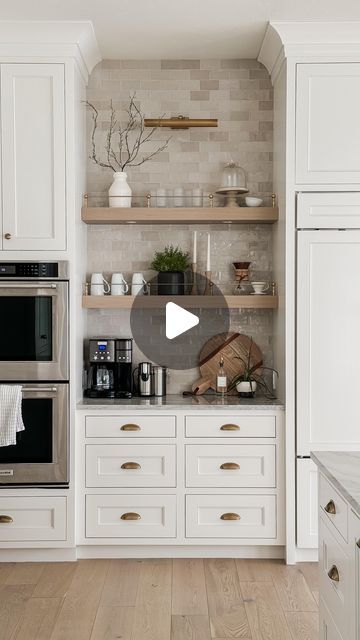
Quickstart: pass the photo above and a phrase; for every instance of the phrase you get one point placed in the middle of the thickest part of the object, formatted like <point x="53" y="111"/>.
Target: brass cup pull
<point x="230" y="427"/>
<point x="230" y="516"/>
<point x="330" y="507"/>
<point x="358" y="543"/>
<point x="131" y="465"/>
<point x="230" y="466"/>
<point x="6" y="519"/>
<point x="130" y="427"/>
<point x="131" y="516"/>
<point x="333" y="573"/>
<point x="7" y="236"/>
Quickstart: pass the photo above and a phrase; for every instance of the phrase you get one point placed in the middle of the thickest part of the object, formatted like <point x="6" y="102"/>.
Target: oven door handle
<point x="39" y="389"/>
<point x="27" y="285"/>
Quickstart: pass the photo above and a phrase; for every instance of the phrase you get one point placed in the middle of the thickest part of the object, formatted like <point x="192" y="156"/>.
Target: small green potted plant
<point x="251" y="377"/>
<point x="171" y="265"/>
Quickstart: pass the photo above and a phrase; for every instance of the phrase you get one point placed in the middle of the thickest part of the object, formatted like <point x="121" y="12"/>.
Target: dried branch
<point x="116" y="160"/>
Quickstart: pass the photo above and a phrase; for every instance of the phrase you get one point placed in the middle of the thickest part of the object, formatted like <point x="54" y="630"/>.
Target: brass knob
<point x="333" y="573"/>
<point x="230" y="427"/>
<point x="230" y="516"/>
<point x="130" y="427"/>
<point x="131" y="465"/>
<point x="229" y="466"/>
<point x="6" y="520"/>
<point x="330" y="507"/>
<point x="7" y="236"/>
<point x="131" y="516"/>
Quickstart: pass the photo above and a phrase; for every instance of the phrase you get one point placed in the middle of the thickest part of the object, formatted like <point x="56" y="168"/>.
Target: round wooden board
<point x="228" y="345"/>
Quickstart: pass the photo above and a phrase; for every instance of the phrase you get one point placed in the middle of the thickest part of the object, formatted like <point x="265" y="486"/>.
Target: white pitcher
<point x="119" y="286"/>
<point x="139" y="286"/>
<point x="99" y="286"/>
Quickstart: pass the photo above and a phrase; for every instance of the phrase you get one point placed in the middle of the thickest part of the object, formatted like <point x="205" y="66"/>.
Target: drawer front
<point x="230" y="426"/>
<point x="214" y="516"/>
<point x="328" y="630"/>
<point x="32" y="518"/>
<point x="130" y="516"/>
<point x="334" y="507"/>
<point x="328" y="210"/>
<point x="236" y="465"/>
<point x="130" y="426"/>
<point x="134" y="465"/>
<point x="335" y="578"/>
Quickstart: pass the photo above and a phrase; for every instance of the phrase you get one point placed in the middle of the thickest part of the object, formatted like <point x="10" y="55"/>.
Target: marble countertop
<point x="342" y="468"/>
<point x="210" y="401"/>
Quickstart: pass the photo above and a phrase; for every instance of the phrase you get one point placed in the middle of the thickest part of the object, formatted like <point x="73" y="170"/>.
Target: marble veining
<point x="342" y="468"/>
<point x="210" y="401"/>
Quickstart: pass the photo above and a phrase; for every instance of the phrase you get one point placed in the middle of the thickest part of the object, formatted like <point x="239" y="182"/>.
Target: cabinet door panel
<point x="327" y="123"/>
<point x="33" y="156"/>
<point x="328" y="341"/>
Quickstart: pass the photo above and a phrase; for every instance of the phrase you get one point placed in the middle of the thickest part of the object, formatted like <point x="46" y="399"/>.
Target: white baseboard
<point x="38" y="555"/>
<point x="307" y="555"/>
<point x="180" y="552"/>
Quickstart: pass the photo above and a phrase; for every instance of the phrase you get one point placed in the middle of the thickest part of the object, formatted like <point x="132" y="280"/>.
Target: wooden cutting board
<point x="228" y="345"/>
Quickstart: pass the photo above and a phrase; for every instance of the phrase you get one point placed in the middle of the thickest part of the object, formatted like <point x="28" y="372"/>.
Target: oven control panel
<point x="26" y="270"/>
<point x="101" y="351"/>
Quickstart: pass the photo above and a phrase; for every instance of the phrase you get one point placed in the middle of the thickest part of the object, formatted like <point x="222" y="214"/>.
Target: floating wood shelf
<point x="179" y="215"/>
<point x="189" y="302"/>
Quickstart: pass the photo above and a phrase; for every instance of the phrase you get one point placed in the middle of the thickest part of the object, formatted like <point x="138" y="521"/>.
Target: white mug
<point x="139" y="286"/>
<point x="119" y="286"/>
<point x="97" y="281"/>
<point x="260" y="287"/>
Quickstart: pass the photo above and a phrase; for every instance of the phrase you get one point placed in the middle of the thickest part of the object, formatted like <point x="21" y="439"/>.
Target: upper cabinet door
<point x="328" y="124"/>
<point x="33" y="157"/>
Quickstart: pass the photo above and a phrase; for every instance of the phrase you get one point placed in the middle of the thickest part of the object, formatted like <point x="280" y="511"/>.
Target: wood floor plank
<point x="292" y="589"/>
<point x="13" y="599"/>
<point x="188" y="587"/>
<point x="5" y="570"/>
<point x="190" y="628"/>
<point x="255" y="570"/>
<point x="55" y="580"/>
<point x="25" y="573"/>
<point x="311" y="573"/>
<point x="303" y="626"/>
<point x="112" y="623"/>
<point x="266" y="618"/>
<point x="39" y="619"/>
<point x="152" y="616"/>
<point x="227" y="613"/>
<point x="121" y="583"/>
<point x="77" y="614"/>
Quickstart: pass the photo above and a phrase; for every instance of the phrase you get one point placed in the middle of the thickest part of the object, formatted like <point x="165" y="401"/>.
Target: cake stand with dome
<point x="233" y="183"/>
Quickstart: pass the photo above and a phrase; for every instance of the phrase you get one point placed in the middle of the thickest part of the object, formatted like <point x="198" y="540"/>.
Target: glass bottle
<point x="221" y="378"/>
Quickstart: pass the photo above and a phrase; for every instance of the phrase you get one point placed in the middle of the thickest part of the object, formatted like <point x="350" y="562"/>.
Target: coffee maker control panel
<point x="101" y="351"/>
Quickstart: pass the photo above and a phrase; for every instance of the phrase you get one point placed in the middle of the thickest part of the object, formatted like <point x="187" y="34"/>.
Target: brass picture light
<point x="180" y="122"/>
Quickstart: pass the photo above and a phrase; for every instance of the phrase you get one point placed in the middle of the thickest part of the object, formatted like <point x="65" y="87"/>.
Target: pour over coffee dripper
<point x="241" y="274"/>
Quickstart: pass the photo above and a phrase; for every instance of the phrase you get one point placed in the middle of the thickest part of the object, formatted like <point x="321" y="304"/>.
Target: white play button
<point x="178" y="320"/>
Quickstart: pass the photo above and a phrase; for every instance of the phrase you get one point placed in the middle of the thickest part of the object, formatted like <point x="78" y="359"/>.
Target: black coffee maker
<point x="109" y="373"/>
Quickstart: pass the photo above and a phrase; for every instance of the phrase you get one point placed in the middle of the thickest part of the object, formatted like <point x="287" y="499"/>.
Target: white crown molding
<point x="74" y="39"/>
<point x="299" y="40"/>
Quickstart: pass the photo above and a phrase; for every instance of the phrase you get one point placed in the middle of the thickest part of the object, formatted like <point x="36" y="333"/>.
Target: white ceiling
<point x="138" y="29"/>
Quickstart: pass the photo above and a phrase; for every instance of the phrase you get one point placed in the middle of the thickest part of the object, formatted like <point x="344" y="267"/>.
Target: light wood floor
<point x="159" y="600"/>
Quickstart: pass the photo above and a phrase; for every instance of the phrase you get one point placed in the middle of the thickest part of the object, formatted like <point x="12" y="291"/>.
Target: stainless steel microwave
<point x="34" y="321"/>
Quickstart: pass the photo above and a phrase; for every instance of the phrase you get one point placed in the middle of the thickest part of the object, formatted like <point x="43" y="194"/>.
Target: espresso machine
<point x="109" y="370"/>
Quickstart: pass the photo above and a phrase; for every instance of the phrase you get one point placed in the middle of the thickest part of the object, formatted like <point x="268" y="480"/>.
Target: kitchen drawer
<point x="255" y="516"/>
<point x="230" y="426"/>
<point x="328" y="629"/>
<point x="130" y="426"/>
<point x="335" y="591"/>
<point x="334" y="507"/>
<point x="32" y="518"/>
<point x="130" y="465"/>
<point x="149" y="516"/>
<point x="239" y="465"/>
<point x="328" y="210"/>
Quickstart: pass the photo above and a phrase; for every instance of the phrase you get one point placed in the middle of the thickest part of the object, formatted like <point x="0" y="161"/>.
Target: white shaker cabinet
<point x="327" y="124"/>
<point x="33" y="157"/>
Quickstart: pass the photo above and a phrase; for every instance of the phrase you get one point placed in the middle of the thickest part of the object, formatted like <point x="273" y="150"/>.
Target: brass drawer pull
<point x="230" y="427"/>
<point x="230" y="466"/>
<point x="6" y="520"/>
<point x="130" y="427"/>
<point x="131" y="516"/>
<point x="333" y="573"/>
<point x="230" y="516"/>
<point x="330" y="508"/>
<point x="7" y="236"/>
<point x="131" y="465"/>
<point x="358" y="543"/>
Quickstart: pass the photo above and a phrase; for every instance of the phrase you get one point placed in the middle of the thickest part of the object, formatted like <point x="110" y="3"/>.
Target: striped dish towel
<point x="10" y="414"/>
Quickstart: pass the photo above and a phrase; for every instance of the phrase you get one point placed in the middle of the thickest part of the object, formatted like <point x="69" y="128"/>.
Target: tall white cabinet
<point x="33" y="157"/>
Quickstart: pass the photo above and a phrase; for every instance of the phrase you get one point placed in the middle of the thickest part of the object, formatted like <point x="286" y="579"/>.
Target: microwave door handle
<point x="39" y="389"/>
<point x="27" y="285"/>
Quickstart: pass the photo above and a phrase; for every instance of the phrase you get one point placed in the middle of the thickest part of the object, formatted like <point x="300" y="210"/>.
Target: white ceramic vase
<point x="120" y="192"/>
